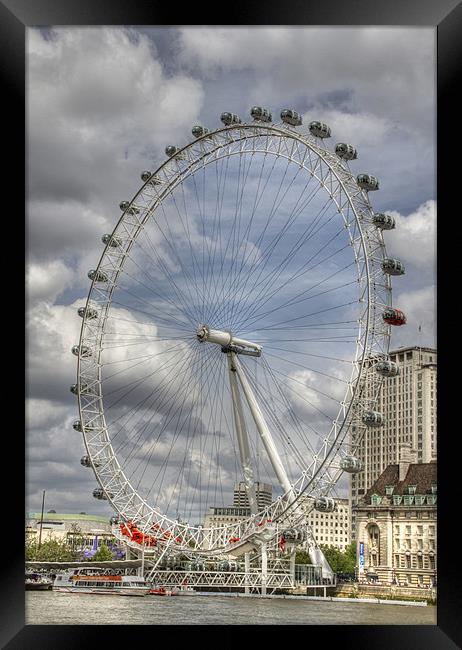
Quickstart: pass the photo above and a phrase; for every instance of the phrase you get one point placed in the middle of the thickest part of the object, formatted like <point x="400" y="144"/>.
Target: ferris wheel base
<point x="318" y="559"/>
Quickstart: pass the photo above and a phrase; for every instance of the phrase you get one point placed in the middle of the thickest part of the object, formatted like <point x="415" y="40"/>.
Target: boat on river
<point x="81" y="581"/>
<point x="37" y="582"/>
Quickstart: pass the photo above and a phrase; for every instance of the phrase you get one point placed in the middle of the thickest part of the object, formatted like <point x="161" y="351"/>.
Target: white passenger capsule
<point x="147" y="176"/>
<point x="387" y="368"/>
<point x="261" y="114"/>
<point x="97" y="275"/>
<point x="100" y="494"/>
<point x="319" y="129"/>
<point x="198" y="131"/>
<point x="372" y="418"/>
<point x="351" y="464"/>
<point x="324" y="504"/>
<point x="77" y="426"/>
<point x="392" y="266"/>
<point x="86" y="462"/>
<point x="81" y="350"/>
<point x="75" y="388"/>
<point x="367" y="182"/>
<point x="291" y="117"/>
<point x="293" y="535"/>
<point x="346" y="151"/>
<point x="230" y="118"/>
<point x="87" y="312"/>
<point x="126" y="206"/>
<point x="112" y="240"/>
<point x="383" y="221"/>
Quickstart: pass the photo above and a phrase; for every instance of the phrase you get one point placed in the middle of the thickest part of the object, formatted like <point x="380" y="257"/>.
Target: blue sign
<point x="361" y="556"/>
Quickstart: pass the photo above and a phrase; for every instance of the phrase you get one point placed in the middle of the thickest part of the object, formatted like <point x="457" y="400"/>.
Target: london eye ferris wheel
<point x="236" y="331"/>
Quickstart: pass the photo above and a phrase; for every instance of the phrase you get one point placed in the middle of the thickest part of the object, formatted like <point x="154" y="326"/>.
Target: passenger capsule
<point x="393" y="267"/>
<point x="114" y="520"/>
<point x="77" y="426"/>
<point x="87" y="312"/>
<point x="367" y="182"/>
<point x="261" y="114"/>
<point x="126" y="206"/>
<point x="291" y="117"/>
<point x="324" y="504"/>
<point x="111" y="240"/>
<point x="86" y="462"/>
<point x="346" y="151"/>
<point x="81" y="350"/>
<point x="319" y="129"/>
<point x="394" y="317"/>
<point x="383" y="221"/>
<point x="100" y="494"/>
<point x="97" y="276"/>
<point x="387" y="368"/>
<point x="293" y="535"/>
<point x="199" y="131"/>
<point x="75" y="388"/>
<point x="230" y="118"/>
<point x="351" y="464"/>
<point x="372" y="418"/>
<point x="227" y="565"/>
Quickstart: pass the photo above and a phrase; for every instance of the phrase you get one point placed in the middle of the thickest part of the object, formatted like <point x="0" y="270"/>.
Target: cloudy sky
<point x="102" y="105"/>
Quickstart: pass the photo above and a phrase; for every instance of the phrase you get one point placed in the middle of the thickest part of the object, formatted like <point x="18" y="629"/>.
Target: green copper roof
<point x="52" y="516"/>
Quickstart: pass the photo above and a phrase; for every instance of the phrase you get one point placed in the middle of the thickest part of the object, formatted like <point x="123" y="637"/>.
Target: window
<point x="412" y="489"/>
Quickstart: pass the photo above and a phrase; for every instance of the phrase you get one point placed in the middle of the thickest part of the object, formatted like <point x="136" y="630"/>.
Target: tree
<point x="103" y="554"/>
<point x="51" y="550"/>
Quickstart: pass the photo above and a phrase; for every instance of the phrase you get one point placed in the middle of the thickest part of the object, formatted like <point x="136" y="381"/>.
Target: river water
<point x="57" y="608"/>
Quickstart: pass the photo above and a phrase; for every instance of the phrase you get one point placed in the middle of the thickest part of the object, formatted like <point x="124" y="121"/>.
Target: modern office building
<point x="264" y="494"/>
<point x="396" y="532"/>
<point x="408" y="405"/>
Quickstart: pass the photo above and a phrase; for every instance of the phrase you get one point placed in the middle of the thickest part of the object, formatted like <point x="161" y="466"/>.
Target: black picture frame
<point x="446" y="17"/>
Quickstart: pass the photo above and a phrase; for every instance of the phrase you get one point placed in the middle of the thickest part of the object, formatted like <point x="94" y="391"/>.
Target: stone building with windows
<point x="408" y="405"/>
<point x="396" y="525"/>
<point x="332" y="528"/>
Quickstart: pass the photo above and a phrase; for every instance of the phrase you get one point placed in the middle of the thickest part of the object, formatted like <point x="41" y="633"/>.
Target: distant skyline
<point x="102" y="105"/>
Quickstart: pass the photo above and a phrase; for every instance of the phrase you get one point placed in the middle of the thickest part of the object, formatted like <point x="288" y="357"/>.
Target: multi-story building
<point x="408" y="405"/>
<point x="263" y="491"/>
<point x="332" y="528"/>
<point x="396" y="524"/>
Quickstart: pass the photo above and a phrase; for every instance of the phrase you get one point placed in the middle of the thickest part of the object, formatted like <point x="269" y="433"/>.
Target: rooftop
<point x="53" y="516"/>
<point x="422" y="475"/>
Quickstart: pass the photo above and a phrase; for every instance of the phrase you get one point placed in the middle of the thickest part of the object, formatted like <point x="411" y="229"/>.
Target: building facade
<point x="332" y="528"/>
<point x="79" y="530"/>
<point x="408" y="405"/>
<point x="263" y="491"/>
<point x="396" y="532"/>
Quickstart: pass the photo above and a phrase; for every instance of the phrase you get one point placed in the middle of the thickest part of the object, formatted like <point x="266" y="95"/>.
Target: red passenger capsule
<point x="394" y="317"/>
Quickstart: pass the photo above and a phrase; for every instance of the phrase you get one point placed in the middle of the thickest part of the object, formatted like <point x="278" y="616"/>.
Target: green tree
<point x="350" y="558"/>
<point x="103" y="554"/>
<point x="51" y="550"/>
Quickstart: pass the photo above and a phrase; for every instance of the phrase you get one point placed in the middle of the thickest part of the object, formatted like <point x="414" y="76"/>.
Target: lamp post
<point x="41" y="519"/>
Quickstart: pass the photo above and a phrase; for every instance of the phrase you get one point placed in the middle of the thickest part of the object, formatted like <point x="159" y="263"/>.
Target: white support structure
<point x="264" y="432"/>
<point x="242" y="438"/>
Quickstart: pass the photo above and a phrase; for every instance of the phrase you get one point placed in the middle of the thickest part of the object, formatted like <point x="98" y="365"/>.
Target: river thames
<point x="57" y="608"/>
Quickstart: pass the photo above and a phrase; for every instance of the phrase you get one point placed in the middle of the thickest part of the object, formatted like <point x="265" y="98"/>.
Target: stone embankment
<point x="384" y="592"/>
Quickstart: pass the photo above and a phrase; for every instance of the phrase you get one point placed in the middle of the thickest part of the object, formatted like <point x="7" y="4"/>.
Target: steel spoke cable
<point x="179" y="322"/>
<point x="308" y="234"/>
<point x="181" y="299"/>
<point x="275" y="274"/>
<point x="172" y="326"/>
<point x="160" y="388"/>
<point x="177" y="413"/>
<point x="270" y="248"/>
<point x="253" y="320"/>
<point x="273" y="210"/>
<point x="277" y="289"/>
<point x="271" y="213"/>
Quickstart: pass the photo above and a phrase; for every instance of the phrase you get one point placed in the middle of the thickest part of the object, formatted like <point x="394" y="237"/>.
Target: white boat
<point x="81" y="581"/>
